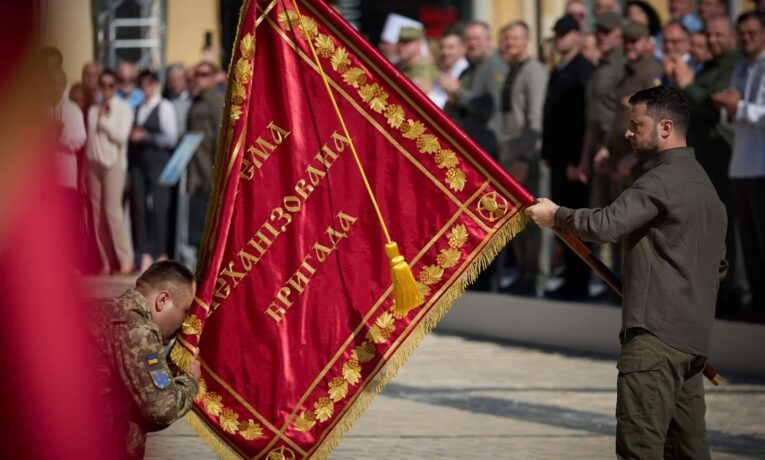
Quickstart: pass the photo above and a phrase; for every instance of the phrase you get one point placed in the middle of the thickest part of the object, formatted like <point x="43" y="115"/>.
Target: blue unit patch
<point x="160" y="379"/>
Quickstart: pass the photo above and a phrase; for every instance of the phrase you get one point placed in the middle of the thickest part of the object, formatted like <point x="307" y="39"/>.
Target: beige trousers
<point x="107" y="186"/>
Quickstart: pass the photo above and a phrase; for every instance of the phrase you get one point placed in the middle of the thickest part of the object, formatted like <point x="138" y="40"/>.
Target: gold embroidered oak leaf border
<point x="377" y="98"/>
<point x="228" y="418"/>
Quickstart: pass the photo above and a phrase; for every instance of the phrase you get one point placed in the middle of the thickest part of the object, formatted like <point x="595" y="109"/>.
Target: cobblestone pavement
<point x="465" y="398"/>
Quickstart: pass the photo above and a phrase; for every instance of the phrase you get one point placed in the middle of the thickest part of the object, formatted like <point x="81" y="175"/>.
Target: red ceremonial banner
<point x="294" y="317"/>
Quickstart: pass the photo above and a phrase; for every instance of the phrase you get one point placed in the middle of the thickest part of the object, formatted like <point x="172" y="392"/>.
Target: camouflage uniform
<point x="137" y="387"/>
<point x="421" y="72"/>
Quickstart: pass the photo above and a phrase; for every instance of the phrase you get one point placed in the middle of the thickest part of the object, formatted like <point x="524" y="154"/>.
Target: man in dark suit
<point x="562" y="140"/>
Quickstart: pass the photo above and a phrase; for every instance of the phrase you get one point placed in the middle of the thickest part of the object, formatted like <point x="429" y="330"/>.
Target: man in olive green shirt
<point x="673" y="227"/>
<point x="600" y="105"/>
<point x="474" y="98"/>
<point x="600" y="98"/>
<point x="640" y="72"/>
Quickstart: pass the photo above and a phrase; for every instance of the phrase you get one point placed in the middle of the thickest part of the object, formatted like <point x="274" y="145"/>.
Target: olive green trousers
<point x="660" y="401"/>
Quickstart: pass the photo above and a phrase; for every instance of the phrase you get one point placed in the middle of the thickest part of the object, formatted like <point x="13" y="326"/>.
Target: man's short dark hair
<point x="165" y="274"/>
<point x="150" y="74"/>
<point x="454" y="31"/>
<point x="756" y="15"/>
<point x="664" y="102"/>
<point x="478" y="23"/>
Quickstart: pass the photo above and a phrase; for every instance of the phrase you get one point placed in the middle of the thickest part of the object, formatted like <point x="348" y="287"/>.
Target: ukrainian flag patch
<point x="152" y="360"/>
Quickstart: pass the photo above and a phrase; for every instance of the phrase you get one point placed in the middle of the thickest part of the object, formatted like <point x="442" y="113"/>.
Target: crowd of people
<point x="560" y="118"/>
<point x="117" y="132"/>
<point x="566" y="115"/>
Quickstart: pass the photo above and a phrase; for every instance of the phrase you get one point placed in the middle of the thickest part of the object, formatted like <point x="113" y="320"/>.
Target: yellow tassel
<point x="405" y="290"/>
<point x="181" y="357"/>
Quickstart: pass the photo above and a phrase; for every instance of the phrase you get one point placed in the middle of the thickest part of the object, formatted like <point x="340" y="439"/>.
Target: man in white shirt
<point x="743" y="106"/>
<point x="154" y="135"/>
<point x="453" y="63"/>
<point x="127" y="89"/>
<point x="109" y="124"/>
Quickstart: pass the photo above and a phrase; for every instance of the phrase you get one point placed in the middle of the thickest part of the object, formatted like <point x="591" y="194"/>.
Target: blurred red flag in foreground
<point x="48" y="392"/>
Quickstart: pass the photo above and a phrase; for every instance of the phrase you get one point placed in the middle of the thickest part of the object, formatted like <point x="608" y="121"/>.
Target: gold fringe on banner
<point x="516" y="224"/>
<point x="181" y="356"/>
<point x="209" y="437"/>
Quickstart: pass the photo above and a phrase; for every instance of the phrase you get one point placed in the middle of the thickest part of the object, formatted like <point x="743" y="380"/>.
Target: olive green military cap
<point x="608" y="20"/>
<point x="408" y="34"/>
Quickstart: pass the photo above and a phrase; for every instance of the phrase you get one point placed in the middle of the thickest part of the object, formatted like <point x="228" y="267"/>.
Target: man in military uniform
<point x="600" y="98"/>
<point x="614" y="162"/>
<point x="600" y="104"/>
<point x="411" y="61"/>
<point x="640" y="72"/>
<point x="139" y="390"/>
<point x="673" y="227"/>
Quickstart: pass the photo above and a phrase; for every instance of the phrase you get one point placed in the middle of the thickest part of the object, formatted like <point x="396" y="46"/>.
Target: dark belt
<point x="627" y="334"/>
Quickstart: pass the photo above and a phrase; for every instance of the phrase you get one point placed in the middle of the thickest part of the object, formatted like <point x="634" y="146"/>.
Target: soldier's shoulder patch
<point x="152" y="359"/>
<point x="160" y="379"/>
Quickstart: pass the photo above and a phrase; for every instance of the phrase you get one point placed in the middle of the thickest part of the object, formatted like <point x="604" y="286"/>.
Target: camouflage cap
<point x="608" y="20"/>
<point x="633" y="31"/>
<point x="408" y="34"/>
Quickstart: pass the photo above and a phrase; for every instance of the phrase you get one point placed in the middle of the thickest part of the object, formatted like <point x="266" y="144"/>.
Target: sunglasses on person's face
<point x="202" y="74"/>
<point x="107" y="85"/>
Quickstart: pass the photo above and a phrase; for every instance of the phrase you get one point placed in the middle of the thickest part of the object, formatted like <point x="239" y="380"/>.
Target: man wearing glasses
<point x="205" y="117"/>
<point x="109" y="126"/>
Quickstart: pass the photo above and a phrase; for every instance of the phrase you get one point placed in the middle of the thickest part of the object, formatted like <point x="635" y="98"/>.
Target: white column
<point x="482" y="10"/>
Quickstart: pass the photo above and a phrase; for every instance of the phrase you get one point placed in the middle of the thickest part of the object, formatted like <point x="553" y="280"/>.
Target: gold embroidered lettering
<point x="278" y="213"/>
<point x="235" y="276"/>
<point x="303" y="189"/>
